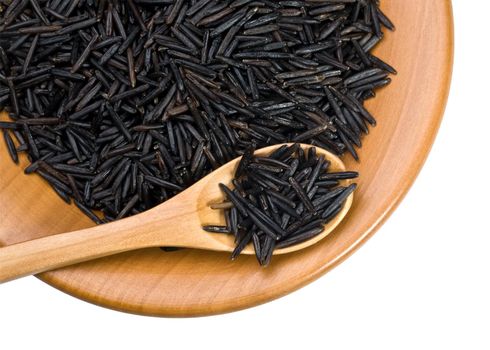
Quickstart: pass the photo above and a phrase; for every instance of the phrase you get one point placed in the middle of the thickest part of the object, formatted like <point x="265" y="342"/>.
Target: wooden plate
<point x="190" y="282"/>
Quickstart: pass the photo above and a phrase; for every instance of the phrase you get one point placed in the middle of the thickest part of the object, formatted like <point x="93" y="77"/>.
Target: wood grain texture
<point x="191" y="282"/>
<point x="174" y="223"/>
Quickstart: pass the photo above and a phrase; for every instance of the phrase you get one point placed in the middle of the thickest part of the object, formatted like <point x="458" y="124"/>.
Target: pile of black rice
<point x="281" y="199"/>
<point x="121" y="104"/>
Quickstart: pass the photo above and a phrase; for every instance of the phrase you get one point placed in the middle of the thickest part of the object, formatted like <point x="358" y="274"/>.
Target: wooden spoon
<point x="175" y="223"/>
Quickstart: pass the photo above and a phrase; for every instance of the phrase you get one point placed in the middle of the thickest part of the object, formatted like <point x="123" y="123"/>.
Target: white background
<point x="422" y="282"/>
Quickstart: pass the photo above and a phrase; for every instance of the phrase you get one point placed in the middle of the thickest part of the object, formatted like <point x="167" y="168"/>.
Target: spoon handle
<point x="174" y="224"/>
<point x="64" y="249"/>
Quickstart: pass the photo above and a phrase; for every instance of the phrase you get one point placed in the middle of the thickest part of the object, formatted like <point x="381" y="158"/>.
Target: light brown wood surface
<point x="175" y="223"/>
<point x="193" y="282"/>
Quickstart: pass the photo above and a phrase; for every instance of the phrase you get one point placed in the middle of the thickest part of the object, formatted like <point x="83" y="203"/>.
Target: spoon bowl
<point x="176" y="222"/>
<point x="212" y="194"/>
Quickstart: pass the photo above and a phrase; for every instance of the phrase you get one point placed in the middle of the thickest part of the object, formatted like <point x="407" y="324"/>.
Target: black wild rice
<point x="290" y="212"/>
<point x="121" y="105"/>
